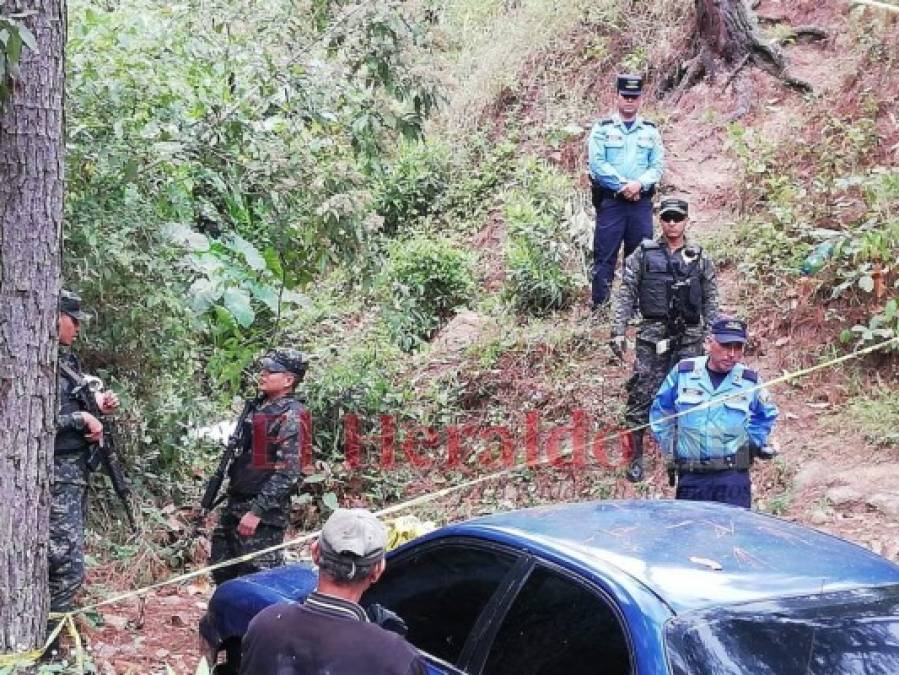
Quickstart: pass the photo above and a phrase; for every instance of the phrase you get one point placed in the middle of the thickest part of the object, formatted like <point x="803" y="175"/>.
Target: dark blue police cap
<point x="728" y="330"/>
<point x="630" y="85"/>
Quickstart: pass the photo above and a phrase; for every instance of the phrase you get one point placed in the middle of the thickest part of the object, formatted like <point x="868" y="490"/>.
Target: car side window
<point x="557" y="626"/>
<point x="440" y="592"/>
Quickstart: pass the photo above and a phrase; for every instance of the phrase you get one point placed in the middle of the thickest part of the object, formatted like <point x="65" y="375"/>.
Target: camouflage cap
<point x="673" y="205"/>
<point x="285" y="360"/>
<point x="70" y="303"/>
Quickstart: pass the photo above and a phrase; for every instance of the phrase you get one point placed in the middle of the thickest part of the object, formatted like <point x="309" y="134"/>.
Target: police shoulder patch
<point x="685" y="366"/>
<point x="750" y="375"/>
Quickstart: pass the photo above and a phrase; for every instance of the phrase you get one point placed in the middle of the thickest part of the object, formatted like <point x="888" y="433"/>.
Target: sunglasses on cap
<point x="673" y="217"/>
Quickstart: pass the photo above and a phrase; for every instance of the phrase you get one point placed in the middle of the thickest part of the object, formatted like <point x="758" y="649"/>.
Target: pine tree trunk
<point x="727" y="27"/>
<point x="729" y="32"/>
<point x="31" y="210"/>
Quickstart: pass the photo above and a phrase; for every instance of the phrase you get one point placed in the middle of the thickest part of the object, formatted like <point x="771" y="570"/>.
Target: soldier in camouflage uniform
<point x="264" y="475"/>
<point x="671" y="281"/>
<point x="76" y="430"/>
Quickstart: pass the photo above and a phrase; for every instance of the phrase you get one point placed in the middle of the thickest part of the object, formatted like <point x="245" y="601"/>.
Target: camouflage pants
<point x="68" y="509"/>
<point x="227" y="543"/>
<point x="650" y="370"/>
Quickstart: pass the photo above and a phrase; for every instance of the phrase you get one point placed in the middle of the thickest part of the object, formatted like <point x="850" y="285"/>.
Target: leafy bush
<point x="358" y="382"/>
<point x="423" y="281"/>
<point x="471" y="193"/>
<point x="540" y="254"/>
<point x="413" y="186"/>
<point x="847" y="202"/>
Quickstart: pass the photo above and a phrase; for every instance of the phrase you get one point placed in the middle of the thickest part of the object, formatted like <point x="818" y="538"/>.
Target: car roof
<point x="674" y="547"/>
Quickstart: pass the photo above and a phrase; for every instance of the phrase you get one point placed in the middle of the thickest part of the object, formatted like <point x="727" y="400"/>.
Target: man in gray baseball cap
<point x="330" y="632"/>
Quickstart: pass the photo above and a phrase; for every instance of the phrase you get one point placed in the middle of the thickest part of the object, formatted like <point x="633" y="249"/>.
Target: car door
<point x="556" y="623"/>
<point x="444" y="590"/>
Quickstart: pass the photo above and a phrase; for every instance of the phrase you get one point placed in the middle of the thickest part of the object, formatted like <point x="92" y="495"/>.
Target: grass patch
<point x="877" y="415"/>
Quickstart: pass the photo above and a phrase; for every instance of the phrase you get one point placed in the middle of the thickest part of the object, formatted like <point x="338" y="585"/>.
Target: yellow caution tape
<point x="400" y="530"/>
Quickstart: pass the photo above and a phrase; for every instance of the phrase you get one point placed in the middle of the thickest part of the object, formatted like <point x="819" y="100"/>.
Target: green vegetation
<point x="542" y="257"/>
<point x="876" y="414"/>
<point x="424" y="279"/>
<point x="848" y="201"/>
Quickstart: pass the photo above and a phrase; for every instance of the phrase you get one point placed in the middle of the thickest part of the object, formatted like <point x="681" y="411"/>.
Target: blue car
<point x="610" y="587"/>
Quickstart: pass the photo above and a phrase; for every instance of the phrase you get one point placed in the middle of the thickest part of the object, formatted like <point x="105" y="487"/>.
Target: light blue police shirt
<point x="618" y="155"/>
<point x="742" y="410"/>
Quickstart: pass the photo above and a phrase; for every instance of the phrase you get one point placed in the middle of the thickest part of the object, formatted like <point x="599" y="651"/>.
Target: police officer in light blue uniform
<point x="712" y="447"/>
<point x="626" y="159"/>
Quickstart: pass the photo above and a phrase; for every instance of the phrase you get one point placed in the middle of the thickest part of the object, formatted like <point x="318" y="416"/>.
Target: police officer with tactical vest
<point x="264" y="476"/>
<point x="671" y="282"/>
<point x="76" y="430"/>
<point x="712" y="417"/>
<point x="626" y="159"/>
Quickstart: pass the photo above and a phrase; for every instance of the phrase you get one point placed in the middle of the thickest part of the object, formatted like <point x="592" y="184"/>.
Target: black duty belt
<point x="728" y="463"/>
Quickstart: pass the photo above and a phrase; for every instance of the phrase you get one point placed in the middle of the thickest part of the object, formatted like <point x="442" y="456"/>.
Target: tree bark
<point x="728" y="30"/>
<point x="31" y="211"/>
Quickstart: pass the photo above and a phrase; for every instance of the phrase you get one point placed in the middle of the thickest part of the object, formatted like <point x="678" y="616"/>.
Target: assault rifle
<point x="235" y="442"/>
<point x="104" y="453"/>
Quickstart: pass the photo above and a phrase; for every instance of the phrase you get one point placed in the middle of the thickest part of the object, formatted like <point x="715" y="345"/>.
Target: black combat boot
<point x="635" y="470"/>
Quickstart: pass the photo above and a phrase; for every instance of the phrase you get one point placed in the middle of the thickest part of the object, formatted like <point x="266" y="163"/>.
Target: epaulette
<point x="649" y="123"/>
<point x="649" y="243"/>
<point x="606" y="120"/>
<point x="750" y="375"/>
<point x="685" y="366"/>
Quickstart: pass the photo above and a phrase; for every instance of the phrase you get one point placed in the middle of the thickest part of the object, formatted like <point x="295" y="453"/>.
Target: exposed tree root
<point x="736" y="71"/>
<point x="727" y="32"/>
<point x="772" y="61"/>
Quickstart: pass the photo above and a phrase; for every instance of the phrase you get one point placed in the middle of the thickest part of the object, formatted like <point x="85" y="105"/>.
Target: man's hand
<point x="93" y="426"/>
<point x="632" y="190"/>
<point x="618" y="345"/>
<point x="386" y="619"/>
<point x="247" y="525"/>
<point x="107" y="401"/>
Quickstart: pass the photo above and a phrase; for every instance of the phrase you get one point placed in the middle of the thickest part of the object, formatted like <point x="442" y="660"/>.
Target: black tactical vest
<point x="248" y="474"/>
<point x="70" y="440"/>
<point x="671" y="284"/>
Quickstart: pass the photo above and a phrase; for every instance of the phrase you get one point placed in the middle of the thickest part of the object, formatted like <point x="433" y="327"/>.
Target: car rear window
<point x="848" y="632"/>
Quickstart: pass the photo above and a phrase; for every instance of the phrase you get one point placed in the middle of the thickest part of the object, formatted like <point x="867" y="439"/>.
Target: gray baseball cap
<point x="354" y="531"/>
